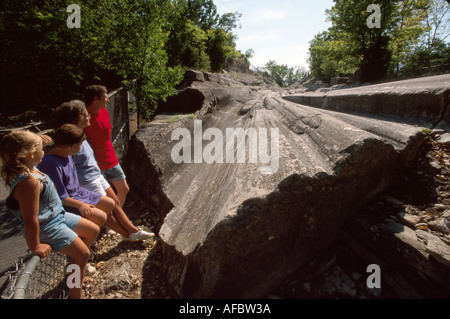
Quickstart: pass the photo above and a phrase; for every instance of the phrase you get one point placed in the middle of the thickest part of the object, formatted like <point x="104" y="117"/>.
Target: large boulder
<point x="235" y="230"/>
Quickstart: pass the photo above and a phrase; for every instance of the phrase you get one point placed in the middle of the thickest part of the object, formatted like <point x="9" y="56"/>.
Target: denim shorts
<point x="98" y="185"/>
<point x="58" y="232"/>
<point x="114" y="174"/>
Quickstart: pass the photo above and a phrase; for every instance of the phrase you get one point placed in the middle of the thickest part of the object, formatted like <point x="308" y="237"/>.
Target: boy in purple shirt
<point x="58" y="164"/>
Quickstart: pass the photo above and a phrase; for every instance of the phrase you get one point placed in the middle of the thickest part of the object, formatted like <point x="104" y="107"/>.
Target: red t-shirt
<point x="98" y="135"/>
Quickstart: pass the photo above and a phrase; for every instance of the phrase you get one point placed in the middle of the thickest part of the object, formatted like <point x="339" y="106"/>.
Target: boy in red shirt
<point x="99" y="137"/>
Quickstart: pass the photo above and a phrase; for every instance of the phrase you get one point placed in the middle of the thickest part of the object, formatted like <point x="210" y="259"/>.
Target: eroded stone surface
<point x="232" y="231"/>
<point x="423" y="101"/>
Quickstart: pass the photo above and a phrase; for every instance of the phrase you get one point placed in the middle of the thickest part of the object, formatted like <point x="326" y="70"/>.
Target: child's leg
<point x="79" y="253"/>
<point x="120" y="215"/>
<point x="116" y="176"/>
<point x="115" y="225"/>
<point x="122" y="189"/>
<point x="113" y="222"/>
<point x="87" y="231"/>
<point x="123" y="220"/>
<point x="106" y="204"/>
<point x="97" y="216"/>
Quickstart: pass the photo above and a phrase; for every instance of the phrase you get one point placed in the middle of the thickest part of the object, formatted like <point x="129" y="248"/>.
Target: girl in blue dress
<point x="33" y="199"/>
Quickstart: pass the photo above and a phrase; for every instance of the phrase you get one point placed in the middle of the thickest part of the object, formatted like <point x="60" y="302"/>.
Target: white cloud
<point x="261" y="17"/>
<point x="273" y="15"/>
<point x="263" y="36"/>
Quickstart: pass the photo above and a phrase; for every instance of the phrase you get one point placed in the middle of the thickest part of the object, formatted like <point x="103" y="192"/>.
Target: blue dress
<point x="55" y="225"/>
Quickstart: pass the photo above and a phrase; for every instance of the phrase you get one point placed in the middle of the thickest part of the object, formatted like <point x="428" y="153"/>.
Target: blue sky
<point x="277" y="30"/>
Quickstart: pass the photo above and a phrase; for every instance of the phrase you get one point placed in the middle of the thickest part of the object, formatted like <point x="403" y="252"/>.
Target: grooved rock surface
<point x="423" y="101"/>
<point x="236" y="230"/>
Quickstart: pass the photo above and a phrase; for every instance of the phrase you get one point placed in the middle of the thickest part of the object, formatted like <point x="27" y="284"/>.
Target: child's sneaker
<point x="140" y="235"/>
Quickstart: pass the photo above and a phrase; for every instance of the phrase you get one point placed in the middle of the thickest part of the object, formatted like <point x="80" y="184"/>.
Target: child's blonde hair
<point x="14" y="147"/>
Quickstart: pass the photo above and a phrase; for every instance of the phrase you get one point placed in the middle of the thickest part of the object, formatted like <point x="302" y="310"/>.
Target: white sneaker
<point x="140" y="235"/>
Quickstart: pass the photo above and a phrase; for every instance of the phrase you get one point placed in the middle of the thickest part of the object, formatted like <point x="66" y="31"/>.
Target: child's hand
<point x="46" y="139"/>
<point x="43" y="250"/>
<point x="85" y="209"/>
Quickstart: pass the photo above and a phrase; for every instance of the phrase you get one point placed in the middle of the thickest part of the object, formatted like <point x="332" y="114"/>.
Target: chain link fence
<point x="36" y="278"/>
<point x="119" y="115"/>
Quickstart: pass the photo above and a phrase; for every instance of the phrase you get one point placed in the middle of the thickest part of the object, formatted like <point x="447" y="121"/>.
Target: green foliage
<point x="431" y="54"/>
<point x="352" y="39"/>
<point x="143" y="45"/>
<point x="329" y="57"/>
<point x="379" y="53"/>
<point x="248" y="55"/>
<point x="430" y="59"/>
<point x="283" y="74"/>
<point x="202" y="12"/>
<point x="127" y="37"/>
<point x="188" y="46"/>
<point x="199" y="38"/>
<point x="41" y="60"/>
<point x="408" y="30"/>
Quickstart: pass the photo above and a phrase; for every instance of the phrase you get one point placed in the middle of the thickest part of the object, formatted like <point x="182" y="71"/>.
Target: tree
<point x="427" y="60"/>
<point x="142" y="45"/>
<point x="407" y="32"/>
<point x="199" y="38"/>
<point x="437" y="22"/>
<point x="118" y="39"/>
<point x="352" y="43"/>
<point x="203" y="13"/>
<point x="42" y="61"/>
<point x="248" y="55"/>
<point x="283" y="75"/>
<point x="432" y="53"/>
<point x="136" y="48"/>
<point x="229" y="21"/>
<point x="349" y="24"/>
<point x="329" y="57"/>
<point x="220" y="46"/>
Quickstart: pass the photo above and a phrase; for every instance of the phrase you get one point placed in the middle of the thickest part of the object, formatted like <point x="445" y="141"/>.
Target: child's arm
<point x="85" y="209"/>
<point x="27" y="194"/>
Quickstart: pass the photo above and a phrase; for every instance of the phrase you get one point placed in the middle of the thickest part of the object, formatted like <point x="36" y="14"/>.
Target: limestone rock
<point x="423" y="101"/>
<point x="406" y="255"/>
<point x="435" y="247"/>
<point x="235" y="230"/>
<point x="441" y="225"/>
